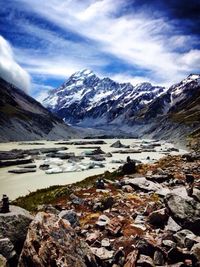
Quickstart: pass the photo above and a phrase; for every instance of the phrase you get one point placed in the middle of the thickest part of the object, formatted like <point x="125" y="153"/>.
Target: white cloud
<point x="10" y="70"/>
<point x="41" y="91"/>
<point x="137" y="39"/>
<point x="134" y="80"/>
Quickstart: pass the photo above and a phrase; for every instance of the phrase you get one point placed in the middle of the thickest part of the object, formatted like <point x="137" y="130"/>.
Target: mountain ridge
<point x="146" y="110"/>
<point x="23" y="118"/>
<point x="86" y="96"/>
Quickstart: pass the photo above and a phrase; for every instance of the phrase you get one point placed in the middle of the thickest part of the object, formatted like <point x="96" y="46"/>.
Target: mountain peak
<point x="83" y="73"/>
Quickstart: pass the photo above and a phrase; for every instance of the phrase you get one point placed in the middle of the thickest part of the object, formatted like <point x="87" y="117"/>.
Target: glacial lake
<point x="15" y="185"/>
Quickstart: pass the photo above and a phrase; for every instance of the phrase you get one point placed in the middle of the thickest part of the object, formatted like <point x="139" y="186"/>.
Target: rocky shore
<point x="150" y="217"/>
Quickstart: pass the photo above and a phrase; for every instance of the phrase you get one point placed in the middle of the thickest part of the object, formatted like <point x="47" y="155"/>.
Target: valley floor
<point x="73" y="168"/>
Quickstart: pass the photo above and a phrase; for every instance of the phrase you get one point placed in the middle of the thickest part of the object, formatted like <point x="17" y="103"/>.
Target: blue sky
<point x="44" y="42"/>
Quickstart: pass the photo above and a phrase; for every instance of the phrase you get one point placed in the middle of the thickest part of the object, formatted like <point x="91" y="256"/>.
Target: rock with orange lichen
<point x="131" y="259"/>
<point x="52" y="242"/>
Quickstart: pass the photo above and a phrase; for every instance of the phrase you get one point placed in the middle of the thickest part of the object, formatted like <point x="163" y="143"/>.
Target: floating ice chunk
<point x="54" y="161"/>
<point x="54" y="170"/>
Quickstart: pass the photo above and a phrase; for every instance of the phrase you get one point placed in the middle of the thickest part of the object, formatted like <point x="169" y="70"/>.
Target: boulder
<point x="3" y="261"/>
<point x="172" y="225"/>
<point x="76" y="200"/>
<point x="14" y="225"/>
<point x="159" y="178"/>
<point x="70" y="216"/>
<point x="102" y="253"/>
<point x="185" y="212"/>
<point x="7" y="249"/>
<point x="114" y="227"/>
<point x="52" y="242"/>
<point x="145" y="247"/>
<point x="118" y="144"/>
<point x="196" y="194"/>
<point x="143" y="184"/>
<point x="180" y="237"/>
<point x="127" y="189"/>
<point x="105" y="243"/>
<point x="103" y="220"/>
<point x="168" y="243"/>
<point x="195" y="251"/>
<point x="145" y="261"/>
<point x="129" y="167"/>
<point x="92" y="237"/>
<point x="131" y="259"/>
<point x="159" y="258"/>
<point x="158" y="218"/>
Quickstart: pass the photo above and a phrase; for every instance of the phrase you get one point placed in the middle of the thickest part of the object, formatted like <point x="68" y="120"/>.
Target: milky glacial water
<point x="15" y="185"/>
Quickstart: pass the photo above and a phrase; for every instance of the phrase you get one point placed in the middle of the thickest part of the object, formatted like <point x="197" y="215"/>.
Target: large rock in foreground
<point x="52" y="242"/>
<point x="184" y="211"/>
<point x="14" y="225"/>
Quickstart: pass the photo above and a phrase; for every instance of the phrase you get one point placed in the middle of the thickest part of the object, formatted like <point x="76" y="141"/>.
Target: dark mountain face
<point x="23" y="118"/>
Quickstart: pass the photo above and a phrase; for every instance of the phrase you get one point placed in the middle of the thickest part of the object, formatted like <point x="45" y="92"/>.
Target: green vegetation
<point x="41" y="196"/>
<point x="51" y="194"/>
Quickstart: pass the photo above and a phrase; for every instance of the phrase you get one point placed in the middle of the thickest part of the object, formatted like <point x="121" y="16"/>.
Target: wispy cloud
<point x="10" y="70"/>
<point x="107" y="29"/>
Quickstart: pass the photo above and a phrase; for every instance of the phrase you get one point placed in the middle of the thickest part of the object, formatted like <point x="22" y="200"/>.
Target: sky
<point x="43" y="42"/>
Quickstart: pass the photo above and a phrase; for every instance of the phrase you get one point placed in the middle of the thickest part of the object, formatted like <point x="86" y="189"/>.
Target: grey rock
<point x="184" y="211"/>
<point x="172" y="225"/>
<point x="181" y="235"/>
<point x="190" y="240"/>
<point x="159" y="258"/>
<point x="76" y="200"/>
<point x="159" y="178"/>
<point x="7" y="248"/>
<point x="14" y="225"/>
<point x="102" y="253"/>
<point x="169" y="243"/>
<point x="143" y="184"/>
<point x="118" y="144"/>
<point x="105" y="243"/>
<point x="47" y="208"/>
<point x="145" y="261"/>
<point x="70" y="216"/>
<point x="103" y="220"/>
<point x="196" y="194"/>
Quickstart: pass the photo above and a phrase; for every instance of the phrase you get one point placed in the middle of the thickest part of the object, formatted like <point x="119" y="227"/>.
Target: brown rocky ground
<point x="148" y="218"/>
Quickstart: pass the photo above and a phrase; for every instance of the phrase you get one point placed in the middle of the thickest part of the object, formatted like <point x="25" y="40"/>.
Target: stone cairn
<point x="4" y="207"/>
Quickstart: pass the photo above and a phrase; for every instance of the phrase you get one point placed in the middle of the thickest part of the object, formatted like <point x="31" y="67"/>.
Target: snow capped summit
<point x="84" y="98"/>
<point x="83" y="73"/>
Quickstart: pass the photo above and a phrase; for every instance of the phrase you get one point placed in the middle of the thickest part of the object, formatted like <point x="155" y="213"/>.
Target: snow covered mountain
<point x="174" y="100"/>
<point x="87" y="100"/>
<point x="173" y="115"/>
<point x="143" y="110"/>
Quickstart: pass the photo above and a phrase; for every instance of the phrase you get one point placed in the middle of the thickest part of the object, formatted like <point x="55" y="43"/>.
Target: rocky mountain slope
<point x="144" y="110"/>
<point x="23" y="118"/>
<point x="174" y="114"/>
<point x="87" y="100"/>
